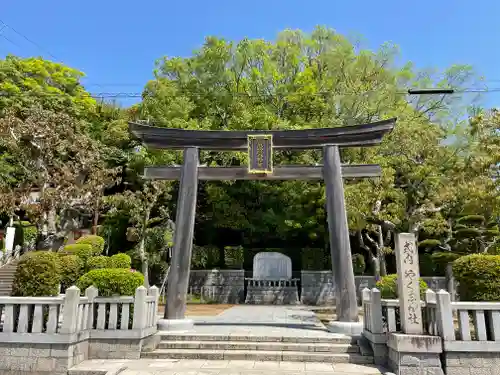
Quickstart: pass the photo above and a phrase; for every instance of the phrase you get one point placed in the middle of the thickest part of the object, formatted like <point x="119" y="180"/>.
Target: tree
<point x="144" y="219"/>
<point x="311" y="81"/>
<point x="50" y="154"/>
<point x="25" y="83"/>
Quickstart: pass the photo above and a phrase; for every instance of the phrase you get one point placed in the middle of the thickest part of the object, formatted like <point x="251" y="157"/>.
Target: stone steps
<point x="7" y="273"/>
<point x="333" y="339"/>
<point x="257" y="355"/>
<point x="324" y="349"/>
<point x="261" y="346"/>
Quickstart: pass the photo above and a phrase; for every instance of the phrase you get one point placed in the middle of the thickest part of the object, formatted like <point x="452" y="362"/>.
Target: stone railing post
<point x="445" y="316"/>
<point x="365" y="303"/>
<point x="376" y="311"/>
<point x="140" y="312"/>
<point x="70" y="310"/>
<point x="91" y="293"/>
<point x="154" y="292"/>
<point x="412" y="342"/>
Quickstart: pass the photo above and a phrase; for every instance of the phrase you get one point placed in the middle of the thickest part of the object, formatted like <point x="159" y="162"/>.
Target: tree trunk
<point x="380" y="251"/>
<point x="142" y="250"/>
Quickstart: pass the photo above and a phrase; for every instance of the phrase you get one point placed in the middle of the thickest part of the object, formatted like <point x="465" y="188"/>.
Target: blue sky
<point x="116" y="42"/>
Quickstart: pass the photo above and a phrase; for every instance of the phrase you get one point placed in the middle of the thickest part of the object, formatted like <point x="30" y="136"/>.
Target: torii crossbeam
<point x="260" y="144"/>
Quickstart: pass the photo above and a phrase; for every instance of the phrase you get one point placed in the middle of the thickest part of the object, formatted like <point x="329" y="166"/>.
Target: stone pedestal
<point x="345" y="328"/>
<point x="415" y="354"/>
<point x="175" y="325"/>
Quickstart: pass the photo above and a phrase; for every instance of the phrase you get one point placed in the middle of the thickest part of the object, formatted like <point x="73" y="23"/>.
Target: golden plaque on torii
<point x="260" y="153"/>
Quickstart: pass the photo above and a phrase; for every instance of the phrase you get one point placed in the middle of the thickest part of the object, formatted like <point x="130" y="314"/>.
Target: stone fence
<point x="48" y="335"/>
<point x="316" y="287"/>
<point x="457" y="338"/>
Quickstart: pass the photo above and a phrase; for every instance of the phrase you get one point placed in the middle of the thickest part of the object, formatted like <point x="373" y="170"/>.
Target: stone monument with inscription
<point x="411" y="351"/>
<point x="272" y="282"/>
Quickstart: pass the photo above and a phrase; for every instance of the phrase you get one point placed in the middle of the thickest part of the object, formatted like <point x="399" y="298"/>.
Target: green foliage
<point x="82" y="250"/>
<point x="26" y="234"/>
<point x="427" y="266"/>
<point x="204" y="257"/>
<point x="120" y="260"/>
<point x="429" y="243"/>
<point x="478" y="277"/>
<point x="98" y="262"/>
<point x="71" y="270"/>
<point x="358" y="264"/>
<point x="96" y="242"/>
<point x="441" y="260"/>
<point x="389" y="288"/>
<point x="313" y="259"/>
<point x="234" y="257"/>
<point x="33" y="80"/>
<point x="112" y="281"/>
<point x="38" y="274"/>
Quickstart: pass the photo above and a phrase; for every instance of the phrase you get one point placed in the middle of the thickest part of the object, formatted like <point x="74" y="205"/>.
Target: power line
<point x="253" y="95"/>
<point x="5" y="25"/>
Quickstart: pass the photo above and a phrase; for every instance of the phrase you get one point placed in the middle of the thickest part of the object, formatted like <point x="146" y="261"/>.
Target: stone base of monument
<point x="346" y="328"/>
<point x="175" y="325"/>
<point x="412" y="354"/>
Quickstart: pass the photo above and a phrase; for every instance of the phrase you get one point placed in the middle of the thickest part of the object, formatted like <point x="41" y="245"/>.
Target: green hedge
<point x="234" y="257"/>
<point x="358" y="264"/>
<point x="38" y="274"/>
<point x="313" y="259"/>
<point x="112" y="281"/>
<point x="388" y="287"/>
<point x="441" y="260"/>
<point x="98" y="262"/>
<point x="83" y="251"/>
<point x="71" y="270"/>
<point x="205" y="257"/>
<point x="478" y="277"/>
<point x="96" y="242"/>
<point x="120" y="260"/>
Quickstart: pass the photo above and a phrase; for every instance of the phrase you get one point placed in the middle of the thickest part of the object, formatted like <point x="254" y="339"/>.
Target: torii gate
<point x="260" y="144"/>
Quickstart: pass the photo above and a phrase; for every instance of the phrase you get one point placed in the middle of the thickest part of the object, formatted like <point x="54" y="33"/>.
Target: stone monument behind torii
<point x="260" y="145"/>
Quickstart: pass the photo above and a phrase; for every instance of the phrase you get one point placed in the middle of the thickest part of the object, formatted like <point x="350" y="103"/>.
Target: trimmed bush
<point x="98" y="262"/>
<point x="441" y="260"/>
<point x="71" y="270"/>
<point x="426" y="264"/>
<point x="388" y="287"/>
<point x="112" y="281"/>
<point x="38" y="274"/>
<point x="313" y="259"/>
<point x="205" y="257"/>
<point x="478" y="277"/>
<point x="234" y="257"/>
<point x="83" y="251"/>
<point x="96" y="242"/>
<point x="358" y="264"/>
<point x="120" y="260"/>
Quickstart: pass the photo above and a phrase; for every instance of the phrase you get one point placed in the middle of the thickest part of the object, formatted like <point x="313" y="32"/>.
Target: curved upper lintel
<point x="347" y="136"/>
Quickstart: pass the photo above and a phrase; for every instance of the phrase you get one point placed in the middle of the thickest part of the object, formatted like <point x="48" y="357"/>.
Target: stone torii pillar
<point x="340" y="247"/>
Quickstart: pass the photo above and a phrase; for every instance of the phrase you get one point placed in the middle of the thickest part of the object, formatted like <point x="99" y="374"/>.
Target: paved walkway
<point x="263" y="321"/>
<point x="202" y="367"/>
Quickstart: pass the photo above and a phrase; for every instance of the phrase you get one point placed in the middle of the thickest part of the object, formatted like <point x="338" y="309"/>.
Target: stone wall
<point x="41" y="359"/>
<point x="222" y="286"/>
<point x="317" y="287"/>
<point x="472" y="363"/>
<point x="272" y="295"/>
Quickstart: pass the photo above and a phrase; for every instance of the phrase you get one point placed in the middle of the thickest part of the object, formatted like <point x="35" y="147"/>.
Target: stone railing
<point x="467" y="333"/>
<point x="68" y="329"/>
<point x="272" y="283"/>
<point x="8" y="257"/>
